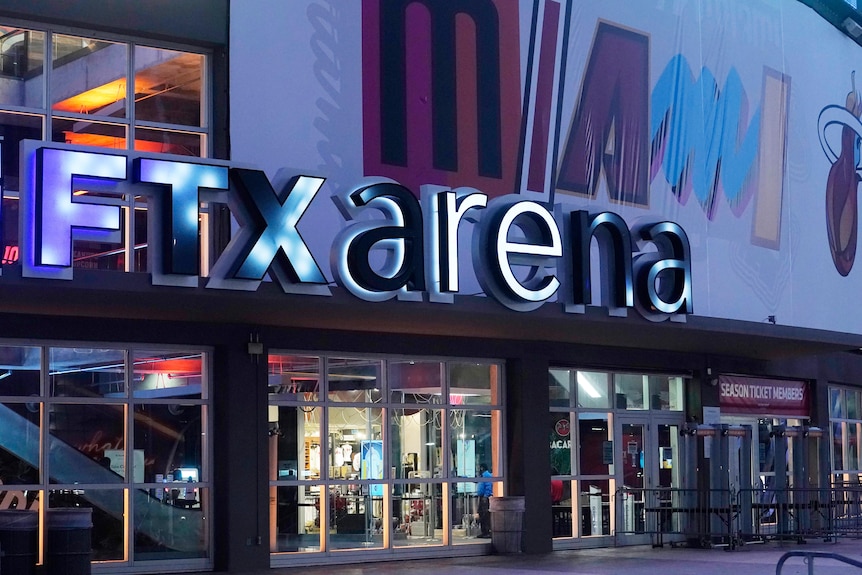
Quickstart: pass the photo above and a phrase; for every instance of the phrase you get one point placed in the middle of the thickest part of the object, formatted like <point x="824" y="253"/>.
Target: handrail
<point x="809" y="558"/>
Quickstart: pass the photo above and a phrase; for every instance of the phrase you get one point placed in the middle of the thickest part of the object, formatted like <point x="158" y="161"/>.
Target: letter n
<point x="610" y="130"/>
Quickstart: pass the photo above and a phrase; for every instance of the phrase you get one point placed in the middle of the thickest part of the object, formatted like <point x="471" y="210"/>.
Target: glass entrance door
<point x="648" y="475"/>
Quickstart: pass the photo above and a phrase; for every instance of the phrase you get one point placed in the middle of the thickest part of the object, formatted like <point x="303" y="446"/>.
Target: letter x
<point x="271" y="218"/>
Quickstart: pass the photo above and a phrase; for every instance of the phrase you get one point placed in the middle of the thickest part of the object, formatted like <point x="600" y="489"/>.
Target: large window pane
<point x="174" y="528"/>
<point x="561" y="443"/>
<point x="836" y="403"/>
<point x="19" y="443"/>
<point x="666" y="392"/>
<point x="416" y="382"/>
<point x="86" y="372"/>
<point x="356" y="516"/>
<point x="417" y="443"/>
<point x="356" y="445"/>
<point x="838" y="446"/>
<point x="108" y="509"/>
<point x="594" y="502"/>
<point x="593" y="389"/>
<point x="294" y="377"/>
<point x="851" y="399"/>
<point x="559" y="387"/>
<point x="354" y="380"/>
<point x="418" y="515"/>
<point x="13" y="129"/>
<point x="168" y="441"/>
<point x="297" y="519"/>
<point x="168" y="86"/>
<point x="631" y="391"/>
<point x="85" y="443"/>
<point x="596" y="444"/>
<point x="19" y="371"/>
<point x="89" y="76"/>
<point x="168" y="142"/>
<point x="84" y="132"/>
<point x="472" y="442"/>
<point x="167" y="374"/>
<point x="473" y="384"/>
<point x="296" y="431"/>
<point x="853" y="446"/>
<point x="22" y="54"/>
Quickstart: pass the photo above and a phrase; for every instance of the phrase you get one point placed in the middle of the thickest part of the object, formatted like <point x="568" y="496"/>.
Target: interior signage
<point x="524" y="253"/>
<point x="749" y="395"/>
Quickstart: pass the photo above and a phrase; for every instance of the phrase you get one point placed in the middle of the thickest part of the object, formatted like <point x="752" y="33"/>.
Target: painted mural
<point x="717" y="115"/>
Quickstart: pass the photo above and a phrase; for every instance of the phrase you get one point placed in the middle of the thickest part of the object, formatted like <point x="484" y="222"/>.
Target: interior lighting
<point x="588" y="387"/>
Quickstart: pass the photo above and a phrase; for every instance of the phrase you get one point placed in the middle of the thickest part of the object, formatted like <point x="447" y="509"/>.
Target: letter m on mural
<point x="441" y="92"/>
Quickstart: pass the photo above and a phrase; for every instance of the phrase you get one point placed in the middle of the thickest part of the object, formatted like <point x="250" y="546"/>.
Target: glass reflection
<point x="163" y="374"/>
<point x="354" y="380"/>
<point x="473" y="384"/>
<point x="294" y="434"/>
<point x="417" y="442"/>
<point x="356" y="516"/>
<point x="355" y="443"/>
<point x="168" y="142"/>
<point x="559" y="387"/>
<point x="19" y="444"/>
<point x="168" y="443"/>
<point x="86" y="443"/>
<point x="416" y="382"/>
<point x="88" y="76"/>
<point x="14" y="128"/>
<point x="596" y="446"/>
<point x="294" y="377"/>
<point x="631" y="391"/>
<point x="86" y="372"/>
<point x="22" y="54"/>
<point x="19" y="371"/>
<point x="593" y="389"/>
<point x="594" y="501"/>
<point x="164" y="529"/>
<point x="297" y="519"/>
<point x="418" y="515"/>
<point x="107" y="511"/>
<point x="168" y="86"/>
<point x="471" y="445"/>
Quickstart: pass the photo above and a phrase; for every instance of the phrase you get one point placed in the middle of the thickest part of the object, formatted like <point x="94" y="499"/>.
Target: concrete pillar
<point x="528" y="451"/>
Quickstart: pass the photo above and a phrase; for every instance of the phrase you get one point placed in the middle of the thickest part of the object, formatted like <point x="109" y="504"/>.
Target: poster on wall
<point x="711" y="116"/>
<point x="371" y="464"/>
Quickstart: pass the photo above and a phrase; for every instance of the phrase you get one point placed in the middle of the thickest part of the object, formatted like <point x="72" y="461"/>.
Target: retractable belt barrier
<point x="732" y="518"/>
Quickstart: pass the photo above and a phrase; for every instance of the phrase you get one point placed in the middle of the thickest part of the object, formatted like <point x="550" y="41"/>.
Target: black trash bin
<point x="69" y="541"/>
<point x="18" y="541"/>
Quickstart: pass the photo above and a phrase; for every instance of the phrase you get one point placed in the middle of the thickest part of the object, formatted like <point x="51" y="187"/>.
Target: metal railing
<point x="809" y="556"/>
<point x="722" y="517"/>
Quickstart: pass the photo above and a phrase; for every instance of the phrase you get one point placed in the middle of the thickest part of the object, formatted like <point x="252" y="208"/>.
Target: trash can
<point x="18" y="541"/>
<point x="69" y="541"/>
<point x="507" y="523"/>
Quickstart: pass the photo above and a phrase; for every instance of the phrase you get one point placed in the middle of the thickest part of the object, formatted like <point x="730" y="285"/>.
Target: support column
<point x="240" y="458"/>
<point x="527" y="448"/>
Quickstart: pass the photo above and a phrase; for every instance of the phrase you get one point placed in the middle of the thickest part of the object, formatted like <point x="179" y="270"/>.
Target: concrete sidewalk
<point x="758" y="559"/>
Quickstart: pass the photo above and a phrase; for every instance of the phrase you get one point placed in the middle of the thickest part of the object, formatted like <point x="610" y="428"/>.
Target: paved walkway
<point x="641" y="560"/>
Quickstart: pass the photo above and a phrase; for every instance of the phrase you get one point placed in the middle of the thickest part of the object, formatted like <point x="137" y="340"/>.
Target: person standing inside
<point x="484" y="491"/>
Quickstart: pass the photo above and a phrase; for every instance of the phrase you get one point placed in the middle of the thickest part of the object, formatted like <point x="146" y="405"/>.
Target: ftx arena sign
<point x="391" y="245"/>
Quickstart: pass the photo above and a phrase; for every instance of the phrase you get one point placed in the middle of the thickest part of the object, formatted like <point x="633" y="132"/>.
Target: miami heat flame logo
<point x="840" y="135"/>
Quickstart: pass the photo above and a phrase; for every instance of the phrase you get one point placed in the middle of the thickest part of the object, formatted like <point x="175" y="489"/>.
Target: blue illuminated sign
<point x="521" y="255"/>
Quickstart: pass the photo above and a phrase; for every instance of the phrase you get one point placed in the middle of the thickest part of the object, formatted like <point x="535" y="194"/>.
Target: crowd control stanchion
<point x="18" y="541"/>
<point x="69" y="541"/>
<point x="507" y="520"/>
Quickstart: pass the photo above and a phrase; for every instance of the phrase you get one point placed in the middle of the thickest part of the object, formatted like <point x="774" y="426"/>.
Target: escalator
<point x="173" y="527"/>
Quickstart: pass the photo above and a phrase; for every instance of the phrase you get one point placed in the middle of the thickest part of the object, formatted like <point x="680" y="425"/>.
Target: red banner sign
<point x="755" y="396"/>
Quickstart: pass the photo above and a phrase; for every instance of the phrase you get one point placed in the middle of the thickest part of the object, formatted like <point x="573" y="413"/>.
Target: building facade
<point x="280" y="279"/>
